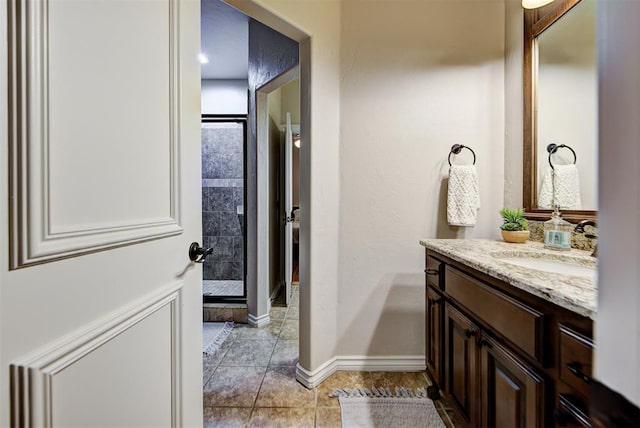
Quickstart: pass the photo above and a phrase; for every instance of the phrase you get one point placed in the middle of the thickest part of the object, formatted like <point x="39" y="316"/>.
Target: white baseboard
<point x="312" y="379"/>
<point x="315" y="378"/>
<point x="260" y="321"/>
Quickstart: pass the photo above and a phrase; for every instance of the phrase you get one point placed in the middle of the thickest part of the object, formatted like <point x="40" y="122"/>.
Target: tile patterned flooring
<point x="250" y="381"/>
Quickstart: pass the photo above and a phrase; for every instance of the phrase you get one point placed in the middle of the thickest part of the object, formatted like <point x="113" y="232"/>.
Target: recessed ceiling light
<point x="203" y="58"/>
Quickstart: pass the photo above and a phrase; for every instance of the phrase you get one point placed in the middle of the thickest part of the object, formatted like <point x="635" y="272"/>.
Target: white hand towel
<point x="463" y="196"/>
<point x="560" y="186"/>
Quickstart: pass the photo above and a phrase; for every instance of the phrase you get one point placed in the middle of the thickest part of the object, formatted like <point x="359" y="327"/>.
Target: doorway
<point x="224" y="142"/>
<point x="284" y="220"/>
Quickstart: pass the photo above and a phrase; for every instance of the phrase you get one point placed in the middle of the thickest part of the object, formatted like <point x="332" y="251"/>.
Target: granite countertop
<point x="575" y="293"/>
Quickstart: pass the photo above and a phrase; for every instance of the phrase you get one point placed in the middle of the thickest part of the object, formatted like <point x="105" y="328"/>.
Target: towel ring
<point x="457" y="148"/>
<point x="552" y="148"/>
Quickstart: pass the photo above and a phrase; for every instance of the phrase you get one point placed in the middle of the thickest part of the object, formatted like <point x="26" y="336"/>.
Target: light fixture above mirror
<point x="534" y="4"/>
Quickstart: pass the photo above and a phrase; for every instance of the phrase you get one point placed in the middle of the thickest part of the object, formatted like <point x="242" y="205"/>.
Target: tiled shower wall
<point x="222" y="194"/>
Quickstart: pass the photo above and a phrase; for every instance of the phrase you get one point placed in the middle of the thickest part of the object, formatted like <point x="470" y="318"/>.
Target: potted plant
<point x="514" y="226"/>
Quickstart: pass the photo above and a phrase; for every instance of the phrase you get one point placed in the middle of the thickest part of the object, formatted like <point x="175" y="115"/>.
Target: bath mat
<point x="379" y="407"/>
<point x="213" y="335"/>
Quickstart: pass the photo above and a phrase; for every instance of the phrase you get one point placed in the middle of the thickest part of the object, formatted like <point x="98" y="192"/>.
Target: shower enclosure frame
<point x="241" y="119"/>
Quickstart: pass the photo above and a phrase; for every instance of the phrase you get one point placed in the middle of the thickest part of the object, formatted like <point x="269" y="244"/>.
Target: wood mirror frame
<point x="535" y="22"/>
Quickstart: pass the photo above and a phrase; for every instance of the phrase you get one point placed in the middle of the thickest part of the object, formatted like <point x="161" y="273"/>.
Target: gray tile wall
<point x="222" y="192"/>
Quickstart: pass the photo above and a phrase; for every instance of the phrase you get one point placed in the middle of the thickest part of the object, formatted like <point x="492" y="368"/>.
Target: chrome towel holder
<point x="552" y="148"/>
<point x="457" y="148"/>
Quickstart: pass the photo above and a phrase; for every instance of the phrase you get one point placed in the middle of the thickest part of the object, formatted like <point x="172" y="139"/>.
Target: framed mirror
<point x="560" y="111"/>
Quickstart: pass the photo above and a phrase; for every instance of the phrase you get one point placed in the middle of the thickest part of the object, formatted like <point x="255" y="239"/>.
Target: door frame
<point x="242" y="119"/>
<point x="261" y="298"/>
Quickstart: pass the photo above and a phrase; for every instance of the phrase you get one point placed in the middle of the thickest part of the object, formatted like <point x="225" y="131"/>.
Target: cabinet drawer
<point x="572" y="410"/>
<point x="520" y="324"/>
<point x="434" y="272"/>
<point x="576" y="356"/>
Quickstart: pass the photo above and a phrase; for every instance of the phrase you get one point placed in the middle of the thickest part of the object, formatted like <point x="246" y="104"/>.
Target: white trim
<point x="313" y="379"/>
<point x="36" y="239"/>
<point x="259" y="268"/>
<point x="260" y="321"/>
<point x="31" y="399"/>
<point x="393" y="363"/>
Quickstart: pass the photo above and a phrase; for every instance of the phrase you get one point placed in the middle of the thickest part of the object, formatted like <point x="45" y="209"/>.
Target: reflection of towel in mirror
<point x="560" y="186"/>
<point x="463" y="196"/>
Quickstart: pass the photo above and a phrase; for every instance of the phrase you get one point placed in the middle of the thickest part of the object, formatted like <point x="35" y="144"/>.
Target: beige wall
<point x="513" y="96"/>
<point x="291" y="101"/>
<point x="416" y="79"/>
<point x="568" y="114"/>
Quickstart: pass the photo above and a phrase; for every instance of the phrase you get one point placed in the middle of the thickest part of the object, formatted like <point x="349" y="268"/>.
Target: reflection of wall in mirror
<point x="567" y="97"/>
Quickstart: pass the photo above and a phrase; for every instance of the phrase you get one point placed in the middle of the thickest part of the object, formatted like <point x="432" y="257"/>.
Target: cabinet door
<point x="512" y="393"/>
<point x="434" y="348"/>
<point x="461" y="363"/>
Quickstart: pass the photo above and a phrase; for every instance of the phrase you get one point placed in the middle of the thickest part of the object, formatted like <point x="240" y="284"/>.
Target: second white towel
<point x="560" y="186"/>
<point x="463" y="196"/>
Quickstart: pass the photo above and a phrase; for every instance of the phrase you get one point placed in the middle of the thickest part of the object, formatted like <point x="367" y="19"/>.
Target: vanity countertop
<point x="575" y="293"/>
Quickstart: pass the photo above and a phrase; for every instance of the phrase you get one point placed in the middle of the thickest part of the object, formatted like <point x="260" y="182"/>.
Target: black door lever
<point x="197" y="253"/>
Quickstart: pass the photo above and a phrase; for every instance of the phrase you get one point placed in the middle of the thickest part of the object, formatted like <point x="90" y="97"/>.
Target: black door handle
<point x="197" y="253"/>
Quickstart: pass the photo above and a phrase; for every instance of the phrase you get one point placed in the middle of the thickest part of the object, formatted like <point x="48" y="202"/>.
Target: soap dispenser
<point x="557" y="232"/>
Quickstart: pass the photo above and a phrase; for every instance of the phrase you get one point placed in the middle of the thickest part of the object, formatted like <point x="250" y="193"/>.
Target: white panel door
<point x="100" y="306"/>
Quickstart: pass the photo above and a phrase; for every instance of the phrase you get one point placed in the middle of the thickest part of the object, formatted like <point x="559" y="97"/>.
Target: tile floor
<point x="250" y="381"/>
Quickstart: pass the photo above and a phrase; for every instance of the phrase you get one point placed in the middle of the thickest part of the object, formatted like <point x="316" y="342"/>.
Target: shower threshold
<point x="226" y="288"/>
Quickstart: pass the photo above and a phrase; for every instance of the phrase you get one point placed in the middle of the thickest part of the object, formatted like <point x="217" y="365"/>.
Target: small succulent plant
<point x="513" y="219"/>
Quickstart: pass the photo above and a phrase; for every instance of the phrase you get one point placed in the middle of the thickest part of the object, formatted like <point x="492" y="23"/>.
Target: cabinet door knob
<point x="431" y="271"/>
<point x="576" y="369"/>
<point x="434" y="302"/>
<point x="482" y="342"/>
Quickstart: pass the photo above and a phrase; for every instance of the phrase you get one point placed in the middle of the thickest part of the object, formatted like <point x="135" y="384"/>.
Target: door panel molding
<point x="34" y="238"/>
<point x="33" y="377"/>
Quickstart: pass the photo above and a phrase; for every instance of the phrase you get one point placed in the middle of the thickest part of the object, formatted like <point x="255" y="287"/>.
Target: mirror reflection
<point x="567" y="111"/>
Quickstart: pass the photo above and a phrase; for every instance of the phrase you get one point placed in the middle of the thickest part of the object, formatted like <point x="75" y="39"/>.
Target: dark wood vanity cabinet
<point x="502" y="357"/>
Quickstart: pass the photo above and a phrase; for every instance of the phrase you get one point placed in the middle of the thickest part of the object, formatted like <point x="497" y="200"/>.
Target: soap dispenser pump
<point x="557" y="232"/>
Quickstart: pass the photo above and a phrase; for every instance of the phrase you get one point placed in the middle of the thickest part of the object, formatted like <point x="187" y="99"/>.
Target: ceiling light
<point x="533" y="4"/>
<point x="203" y="58"/>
